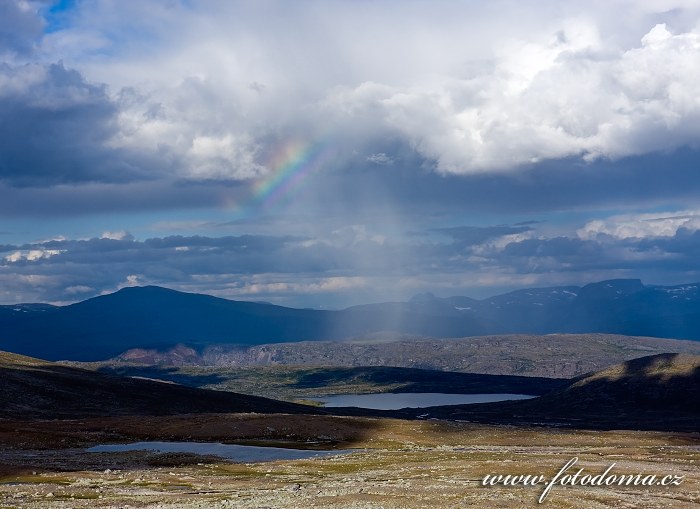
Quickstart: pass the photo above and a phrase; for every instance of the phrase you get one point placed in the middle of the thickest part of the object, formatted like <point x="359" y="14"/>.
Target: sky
<point x="327" y="154"/>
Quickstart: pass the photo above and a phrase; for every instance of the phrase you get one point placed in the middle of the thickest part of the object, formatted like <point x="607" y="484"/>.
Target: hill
<point x="32" y="388"/>
<point x="158" y="318"/>
<point x="658" y="392"/>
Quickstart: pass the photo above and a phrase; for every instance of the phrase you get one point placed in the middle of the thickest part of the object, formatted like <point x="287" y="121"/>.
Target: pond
<point x="396" y="401"/>
<point x="237" y="453"/>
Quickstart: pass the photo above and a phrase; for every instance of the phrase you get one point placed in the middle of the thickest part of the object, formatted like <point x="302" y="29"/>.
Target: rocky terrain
<point x="552" y="355"/>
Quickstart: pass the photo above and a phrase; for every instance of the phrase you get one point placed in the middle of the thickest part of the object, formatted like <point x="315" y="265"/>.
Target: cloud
<point x="532" y="142"/>
<point x="21" y="27"/>
<point x="205" y="92"/>
<point x="31" y="255"/>
<point x="641" y="226"/>
<point x="475" y="235"/>
<point x="274" y="266"/>
<point x="313" y="285"/>
<point x="198" y="125"/>
<point x="118" y="235"/>
<point x="342" y="267"/>
<point x="79" y="290"/>
<point x="563" y="95"/>
<point x="380" y="158"/>
<point x="56" y="127"/>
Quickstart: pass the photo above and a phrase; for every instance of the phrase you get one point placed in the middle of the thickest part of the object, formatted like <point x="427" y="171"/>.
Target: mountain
<point x="149" y="317"/>
<point x="658" y="392"/>
<point x="152" y="317"/>
<point x="33" y="388"/>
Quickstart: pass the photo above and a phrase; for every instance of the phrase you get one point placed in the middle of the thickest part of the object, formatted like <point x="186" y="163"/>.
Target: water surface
<point x="396" y="401"/>
<point x="238" y="453"/>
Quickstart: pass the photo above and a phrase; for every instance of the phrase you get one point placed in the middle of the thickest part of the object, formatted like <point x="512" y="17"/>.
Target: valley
<point x="634" y="415"/>
<point x="605" y="399"/>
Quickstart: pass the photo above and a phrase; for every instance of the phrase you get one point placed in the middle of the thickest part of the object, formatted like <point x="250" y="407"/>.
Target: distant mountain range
<point x="154" y="317"/>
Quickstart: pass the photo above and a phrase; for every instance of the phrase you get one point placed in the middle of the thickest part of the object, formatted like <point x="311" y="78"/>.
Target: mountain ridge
<point x="155" y="317"/>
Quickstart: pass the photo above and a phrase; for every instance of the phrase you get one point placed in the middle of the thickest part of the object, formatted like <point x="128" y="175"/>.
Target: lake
<point x="396" y="401"/>
<point x="237" y="453"/>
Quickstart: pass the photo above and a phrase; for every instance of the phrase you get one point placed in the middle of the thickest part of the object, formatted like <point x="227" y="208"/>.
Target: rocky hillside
<point x="552" y="355"/>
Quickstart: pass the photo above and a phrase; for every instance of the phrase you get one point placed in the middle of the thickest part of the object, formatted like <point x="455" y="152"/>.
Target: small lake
<point x="396" y="401"/>
<point x="237" y="453"/>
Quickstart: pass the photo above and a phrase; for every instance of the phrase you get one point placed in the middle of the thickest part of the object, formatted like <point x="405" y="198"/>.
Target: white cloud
<point x="642" y="225"/>
<point x="194" y="127"/>
<point x="117" y="235"/>
<point x="565" y="95"/>
<point x="500" y="243"/>
<point x="472" y="87"/>
<point x="32" y="255"/>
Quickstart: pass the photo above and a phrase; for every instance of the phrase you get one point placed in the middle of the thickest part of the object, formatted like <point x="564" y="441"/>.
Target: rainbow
<point x="290" y="165"/>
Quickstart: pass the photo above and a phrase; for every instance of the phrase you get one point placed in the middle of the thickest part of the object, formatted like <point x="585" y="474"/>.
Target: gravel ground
<point x="406" y="465"/>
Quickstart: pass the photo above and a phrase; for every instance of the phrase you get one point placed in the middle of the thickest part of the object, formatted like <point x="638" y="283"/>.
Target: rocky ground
<point x="397" y="464"/>
<point x="551" y="355"/>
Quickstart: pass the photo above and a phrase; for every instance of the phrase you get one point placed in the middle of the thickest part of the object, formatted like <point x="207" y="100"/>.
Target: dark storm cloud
<point x="99" y="197"/>
<point x="55" y="129"/>
<point x="245" y="254"/>
<point x="685" y="244"/>
<point x="408" y="192"/>
<point x="567" y="185"/>
<point x="673" y="254"/>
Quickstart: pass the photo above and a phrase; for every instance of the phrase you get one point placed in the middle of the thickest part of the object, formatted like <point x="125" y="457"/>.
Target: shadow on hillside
<point x="651" y="393"/>
<point x="50" y="391"/>
<point x="169" y="374"/>
<point x="422" y="380"/>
